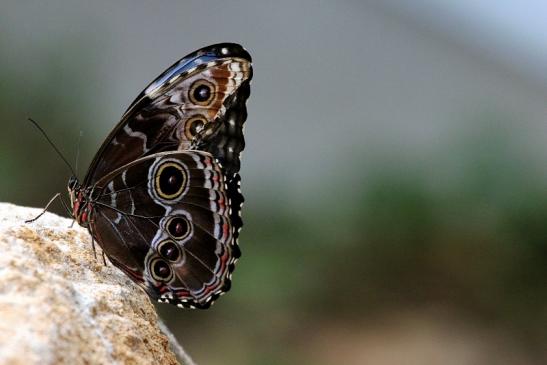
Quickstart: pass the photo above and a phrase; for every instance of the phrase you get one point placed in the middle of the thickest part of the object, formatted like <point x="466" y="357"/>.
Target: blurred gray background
<point x="394" y="171"/>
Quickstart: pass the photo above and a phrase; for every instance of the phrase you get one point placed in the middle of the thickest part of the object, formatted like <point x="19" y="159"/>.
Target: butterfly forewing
<point x="194" y="96"/>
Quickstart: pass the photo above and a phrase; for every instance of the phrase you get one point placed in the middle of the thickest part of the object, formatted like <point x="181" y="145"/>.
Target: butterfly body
<point x="162" y="196"/>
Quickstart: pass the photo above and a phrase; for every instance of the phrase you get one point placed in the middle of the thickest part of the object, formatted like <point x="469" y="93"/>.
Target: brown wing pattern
<point x="165" y="221"/>
<point x="165" y="184"/>
<point x="190" y="102"/>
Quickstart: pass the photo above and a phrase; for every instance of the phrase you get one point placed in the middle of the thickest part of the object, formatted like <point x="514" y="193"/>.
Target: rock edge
<point x="60" y="305"/>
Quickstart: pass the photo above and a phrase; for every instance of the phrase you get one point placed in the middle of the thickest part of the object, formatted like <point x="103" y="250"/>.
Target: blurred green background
<point x="394" y="172"/>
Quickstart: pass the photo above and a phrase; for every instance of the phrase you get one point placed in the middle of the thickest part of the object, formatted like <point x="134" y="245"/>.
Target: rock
<point x="61" y="305"/>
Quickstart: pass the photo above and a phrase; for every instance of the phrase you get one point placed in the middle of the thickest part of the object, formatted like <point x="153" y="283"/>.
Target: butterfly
<point x="162" y="195"/>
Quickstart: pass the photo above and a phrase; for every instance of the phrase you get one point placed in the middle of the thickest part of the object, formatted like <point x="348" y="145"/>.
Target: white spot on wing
<point x="124" y="176"/>
<point x="127" y="129"/>
<point x="113" y="196"/>
<point x="217" y="233"/>
<point x="174" y="79"/>
<point x="235" y="67"/>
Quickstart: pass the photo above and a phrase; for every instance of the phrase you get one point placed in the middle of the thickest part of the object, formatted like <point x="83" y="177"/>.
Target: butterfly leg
<point x="56" y="196"/>
<point x="93" y="246"/>
<point x="65" y="205"/>
<point x="93" y="242"/>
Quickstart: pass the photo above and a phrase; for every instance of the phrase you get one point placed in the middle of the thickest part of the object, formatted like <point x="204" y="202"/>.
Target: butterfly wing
<point x="200" y="99"/>
<point x="165" y="221"/>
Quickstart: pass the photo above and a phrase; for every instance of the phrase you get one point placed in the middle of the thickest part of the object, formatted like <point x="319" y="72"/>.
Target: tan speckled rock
<point x="59" y="305"/>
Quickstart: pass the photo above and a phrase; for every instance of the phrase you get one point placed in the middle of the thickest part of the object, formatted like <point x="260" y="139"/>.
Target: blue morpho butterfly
<point x="162" y="195"/>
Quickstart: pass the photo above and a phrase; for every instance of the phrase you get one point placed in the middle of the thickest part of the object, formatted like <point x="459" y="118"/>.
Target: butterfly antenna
<point x="52" y="144"/>
<point x="78" y="152"/>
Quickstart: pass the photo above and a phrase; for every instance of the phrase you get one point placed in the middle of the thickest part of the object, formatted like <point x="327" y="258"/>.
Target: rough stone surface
<point x="60" y="305"/>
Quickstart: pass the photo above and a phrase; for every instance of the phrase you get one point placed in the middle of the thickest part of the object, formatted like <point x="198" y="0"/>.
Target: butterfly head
<point x="73" y="188"/>
<point x="79" y="202"/>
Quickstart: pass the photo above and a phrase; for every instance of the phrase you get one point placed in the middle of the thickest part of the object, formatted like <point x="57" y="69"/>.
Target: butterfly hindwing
<point x="165" y="220"/>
